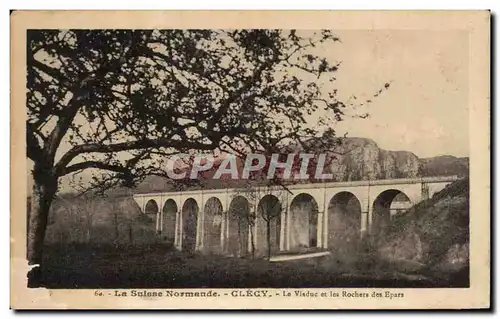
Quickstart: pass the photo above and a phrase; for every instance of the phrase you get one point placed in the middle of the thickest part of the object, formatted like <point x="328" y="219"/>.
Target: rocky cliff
<point x="362" y="159"/>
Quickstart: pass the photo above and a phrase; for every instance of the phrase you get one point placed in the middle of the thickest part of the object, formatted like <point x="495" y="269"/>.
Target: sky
<point x="425" y="110"/>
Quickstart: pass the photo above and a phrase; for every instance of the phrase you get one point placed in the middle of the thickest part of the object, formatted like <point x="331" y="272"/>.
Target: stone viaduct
<point x="305" y="216"/>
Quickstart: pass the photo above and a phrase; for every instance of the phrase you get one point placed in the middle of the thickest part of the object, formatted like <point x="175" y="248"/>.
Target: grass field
<point x="159" y="266"/>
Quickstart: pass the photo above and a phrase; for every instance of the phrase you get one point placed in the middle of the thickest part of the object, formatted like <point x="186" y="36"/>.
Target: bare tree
<point x="69" y="221"/>
<point x="268" y="198"/>
<point x="246" y="221"/>
<point x="271" y="208"/>
<point x="212" y="228"/>
<point x="87" y="208"/>
<point x="117" y="221"/>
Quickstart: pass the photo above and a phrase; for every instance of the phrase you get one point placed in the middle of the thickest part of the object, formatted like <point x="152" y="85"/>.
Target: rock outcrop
<point x="362" y="159"/>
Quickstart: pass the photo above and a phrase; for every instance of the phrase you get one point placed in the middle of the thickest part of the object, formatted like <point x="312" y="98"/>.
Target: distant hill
<point x="445" y="165"/>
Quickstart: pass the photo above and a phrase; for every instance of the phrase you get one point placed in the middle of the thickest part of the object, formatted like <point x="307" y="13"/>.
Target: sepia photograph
<point x="327" y="163"/>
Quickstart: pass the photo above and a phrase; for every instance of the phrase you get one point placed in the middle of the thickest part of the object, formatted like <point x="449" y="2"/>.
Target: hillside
<point x="433" y="235"/>
<point x="98" y="220"/>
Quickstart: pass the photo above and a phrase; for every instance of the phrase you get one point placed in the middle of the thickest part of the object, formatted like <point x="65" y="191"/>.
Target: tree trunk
<point x="268" y="235"/>
<point x="41" y="199"/>
<point x="252" y="241"/>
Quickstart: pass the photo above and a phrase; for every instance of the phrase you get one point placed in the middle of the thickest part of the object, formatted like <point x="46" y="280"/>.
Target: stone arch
<point x="211" y="197"/>
<point x="387" y="204"/>
<point x="189" y="224"/>
<point x="303" y="226"/>
<point x="344" y="221"/>
<point x="151" y="207"/>
<point x="169" y="220"/>
<point x="239" y="220"/>
<point x="212" y="225"/>
<point x="268" y="225"/>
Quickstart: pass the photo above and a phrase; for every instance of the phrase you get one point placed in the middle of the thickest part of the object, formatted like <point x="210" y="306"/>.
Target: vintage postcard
<point x="250" y="160"/>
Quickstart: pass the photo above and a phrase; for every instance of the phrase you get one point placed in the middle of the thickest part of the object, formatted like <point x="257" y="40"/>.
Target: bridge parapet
<point x="434" y="179"/>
